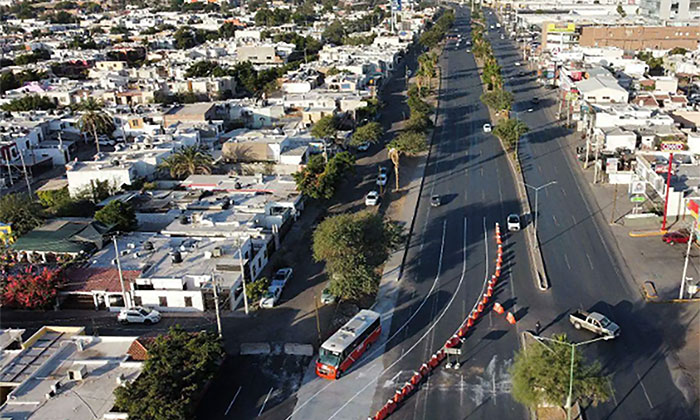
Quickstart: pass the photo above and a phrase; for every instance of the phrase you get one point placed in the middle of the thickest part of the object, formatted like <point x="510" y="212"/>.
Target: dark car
<point x="677" y="237"/>
<point x="535" y="100"/>
<point x="435" y="201"/>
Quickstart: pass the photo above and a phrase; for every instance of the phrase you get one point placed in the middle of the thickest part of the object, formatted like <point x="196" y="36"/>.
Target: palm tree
<point x="189" y="160"/>
<point x="426" y="67"/>
<point x="409" y="143"/>
<point x="94" y="120"/>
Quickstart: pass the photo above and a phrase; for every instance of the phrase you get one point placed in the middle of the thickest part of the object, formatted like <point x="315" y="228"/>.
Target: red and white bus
<point x="348" y="344"/>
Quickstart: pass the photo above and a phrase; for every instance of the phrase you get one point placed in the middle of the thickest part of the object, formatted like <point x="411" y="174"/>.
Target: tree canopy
<point x="119" y="214"/>
<point x="541" y="372"/>
<point x="179" y="364"/>
<point x="353" y="246"/>
<point x="189" y="160"/>
<point x="29" y="103"/>
<point x="370" y="133"/>
<point x="319" y="179"/>
<point x="409" y="143"/>
<point x="509" y="131"/>
<point x="21" y="212"/>
<point x="325" y="128"/>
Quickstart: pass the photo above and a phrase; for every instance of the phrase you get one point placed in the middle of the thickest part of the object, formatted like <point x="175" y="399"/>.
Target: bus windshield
<point x="328" y="357"/>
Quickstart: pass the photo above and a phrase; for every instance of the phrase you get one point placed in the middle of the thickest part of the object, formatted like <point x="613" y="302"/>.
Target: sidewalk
<point x="649" y="259"/>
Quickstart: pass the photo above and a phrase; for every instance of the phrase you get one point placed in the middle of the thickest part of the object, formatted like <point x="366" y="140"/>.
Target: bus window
<point x="328" y="357"/>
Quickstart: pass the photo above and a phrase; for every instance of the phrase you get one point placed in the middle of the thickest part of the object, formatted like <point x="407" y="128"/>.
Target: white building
<point x="602" y="89"/>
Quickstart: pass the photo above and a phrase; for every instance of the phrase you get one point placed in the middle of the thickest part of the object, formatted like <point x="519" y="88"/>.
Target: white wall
<point x="78" y="180"/>
<point x="176" y="299"/>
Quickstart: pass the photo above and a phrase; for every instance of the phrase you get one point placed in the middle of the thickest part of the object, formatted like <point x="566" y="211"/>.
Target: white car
<point x="372" y="198"/>
<point x="270" y="299"/>
<point x="281" y="277"/>
<point x="363" y="147"/>
<point x="381" y="179"/>
<point x="138" y="315"/>
<point x="487" y="128"/>
<point x="517" y="63"/>
<point x="468" y="50"/>
<point x="513" y="222"/>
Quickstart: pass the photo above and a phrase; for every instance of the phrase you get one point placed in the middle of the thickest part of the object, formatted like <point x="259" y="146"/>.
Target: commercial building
<point x="665" y="10"/>
<point x="640" y="37"/>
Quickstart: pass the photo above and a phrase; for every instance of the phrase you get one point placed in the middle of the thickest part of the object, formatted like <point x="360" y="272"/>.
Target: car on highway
<point x="138" y="315"/>
<point x="513" y="222"/>
<point x="363" y="147"/>
<point x="326" y="296"/>
<point x="435" y="200"/>
<point x="271" y="297"/>
<point x="678" y="237"/>
<point x="372" y="198"/>
<point x="517" y="63"/>
<point x="596" y="323"/>
<point x="381" y="179"/>
<point x="487" y="128"/>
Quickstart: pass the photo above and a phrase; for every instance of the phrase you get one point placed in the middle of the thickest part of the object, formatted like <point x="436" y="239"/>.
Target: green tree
<point x="334" y="33"/>
<point x="621" y="11"/>
<point x="678" y="51"/>
<point x="189" y="160"/>
<point x="509" y="131"/>
<point x="29" y="103"/>
<point x="500" y="99"/>
<point x="118" y="214"/>
<point x="202" y="68"/>
<point x="94" y="120"/>
<point x="353" y="246"/>
<point x="178" y="366"/>
<point x="186" y="38"/>
<point x="409" y="143"/>
<point x="256" y="289"/>
<point x="427" y="68"/>
<point x="227" y="30"/>
<point x="319" y="179"/>
<point x="541" y="373"/>
<point x="21" y="212"/>
<point x="370" y="133"/>
<point x="8" y="81"/>
<point x="326" y="128"/>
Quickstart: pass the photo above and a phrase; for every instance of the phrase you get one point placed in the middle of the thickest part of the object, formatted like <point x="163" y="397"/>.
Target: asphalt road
<point x="583" y="266"/>
<point x="452" y="253"/>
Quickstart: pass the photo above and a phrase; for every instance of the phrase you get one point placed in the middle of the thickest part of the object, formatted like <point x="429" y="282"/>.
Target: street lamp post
<point x="571" y="369"/>
<point x="537" y="213"/>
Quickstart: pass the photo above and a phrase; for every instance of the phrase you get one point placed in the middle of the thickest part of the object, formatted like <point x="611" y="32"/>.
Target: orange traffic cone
<point x="498" y="308"/>
<point x="510" y="318"/>
<point x="470" y="322"/>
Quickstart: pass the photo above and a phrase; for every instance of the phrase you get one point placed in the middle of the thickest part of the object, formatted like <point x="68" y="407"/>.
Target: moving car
<point x="372" y="198"/>
<point x="381" y="179"/>
<point x="678" y="237"/>
<point x="383" y="170"/>
<point x="595" y="322"/>
<point x="517" y="63"/>
<point x="487" y="128"/>
<point x="513" y="222"/>
<point x="435" y="200"/>
<point x="326" y="296"/>
<point x="138" y="315"/>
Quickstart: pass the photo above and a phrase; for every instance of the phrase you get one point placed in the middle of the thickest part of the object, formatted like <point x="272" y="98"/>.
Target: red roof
<point x="87" y="279"/>
<point x="139" y="348"/>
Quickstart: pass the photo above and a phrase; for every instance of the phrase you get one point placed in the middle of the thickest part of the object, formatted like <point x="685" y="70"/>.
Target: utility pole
<point x="216" y="303"/>
<point x="612" y="216"/>
<point x="537" y="213"/>
<point x="9" y="168"/>
<point x="318" y="321"/>
<point x="26" y="176"/>
<point x="245" y="294"/>
<point x="119" y="270"/>
<point x="687" y="257"/>
<point x="668" y="189"/>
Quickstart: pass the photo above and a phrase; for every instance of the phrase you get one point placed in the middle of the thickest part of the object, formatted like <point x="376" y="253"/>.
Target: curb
<point x="646" y="234"/>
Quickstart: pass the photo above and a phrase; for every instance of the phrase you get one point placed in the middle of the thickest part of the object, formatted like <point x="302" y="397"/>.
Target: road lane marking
<point x="428" y="331"/>
<point x="232" y="401"/>
<point x="612" y="392"/>
<point x="566" y="259"/>
<point x="265" y="402"/>
<point x="555" y="220"/>
<point x="644" y="389"/>
<point x="397" y="332"/>
<point x="573" y="219"/>
<point x="589" y="260"/>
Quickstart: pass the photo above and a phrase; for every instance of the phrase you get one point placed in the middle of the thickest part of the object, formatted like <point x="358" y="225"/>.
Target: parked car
<point x="535" y="100"/>
<point x="678" y="237"/>
<point x="363" y="147"/>
<point x="487" y="128"/>
<point x="517" y="63"/>
<point x="381" y="179"/>
<point x="595" y="322"/>
<point x="383" y="170"/>
<point x="435" y="200"/>
<point x="138" y="315"/>
<point x="513" y="222"/>
<point x="372" y="198"/>
<point x="270" y="299"/>
<point x="282" y="276"/>
<point x="326" y="296"/>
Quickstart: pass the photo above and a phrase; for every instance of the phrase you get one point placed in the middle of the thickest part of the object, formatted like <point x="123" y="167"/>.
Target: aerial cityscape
<point x="349" y="209"/>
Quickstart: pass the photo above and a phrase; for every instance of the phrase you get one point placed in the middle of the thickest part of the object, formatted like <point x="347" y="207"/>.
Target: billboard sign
<point x="561" y="27"/>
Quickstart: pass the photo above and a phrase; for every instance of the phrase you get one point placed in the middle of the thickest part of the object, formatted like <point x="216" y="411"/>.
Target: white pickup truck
<point x="595" y="322"/>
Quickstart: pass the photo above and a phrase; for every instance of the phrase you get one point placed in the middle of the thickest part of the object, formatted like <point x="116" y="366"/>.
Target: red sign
<point x="694" y="208"/>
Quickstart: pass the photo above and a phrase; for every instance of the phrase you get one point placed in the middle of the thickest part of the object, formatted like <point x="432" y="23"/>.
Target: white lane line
<point x="539" y="169"/>
<point x="461" y="389"/>
<point x="232" y="401"/>
<point x="265" y="402"/>
<point x="555" y="220"/>
<point x="644" y="389"/>
<point x="566" y="260"/>
<point x="590" y="262"/>
<point x="397" y="332"/>
<point x="432" y="326"/>
<point x="481" y="171"/>
<point x="573" y="219"/>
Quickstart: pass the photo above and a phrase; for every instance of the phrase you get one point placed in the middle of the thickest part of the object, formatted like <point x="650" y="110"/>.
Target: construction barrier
<point x="424" y="369"/>
<point x="498" y="308"/>
<point x="480" y="307"/>
<point x="510" y="318"/>
<point x="415" y="379"/>
<point x="398" y="397"/>
<point x="390" y="407"/>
